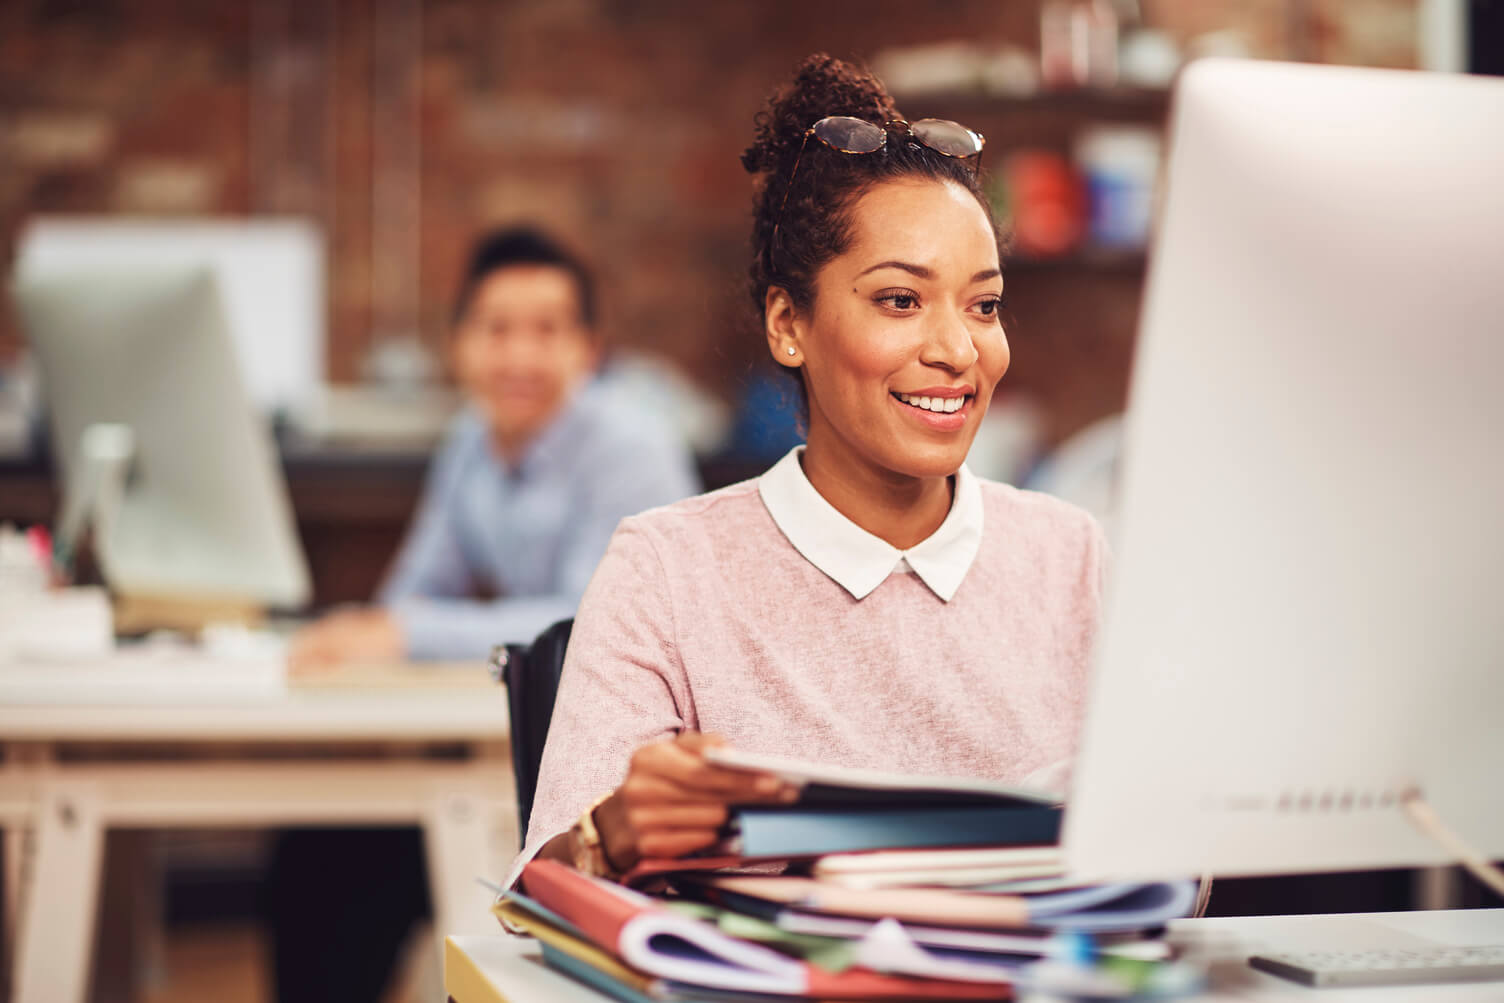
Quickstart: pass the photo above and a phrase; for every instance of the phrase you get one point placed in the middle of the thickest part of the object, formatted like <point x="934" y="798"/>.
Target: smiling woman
<point x="868" y="602"/>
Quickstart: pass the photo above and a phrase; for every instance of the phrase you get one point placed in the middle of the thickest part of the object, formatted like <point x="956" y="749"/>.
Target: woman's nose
<point x="949" y="343"/>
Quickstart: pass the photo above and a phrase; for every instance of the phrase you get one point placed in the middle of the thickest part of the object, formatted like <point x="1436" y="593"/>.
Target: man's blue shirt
<point x="528" y="534"/>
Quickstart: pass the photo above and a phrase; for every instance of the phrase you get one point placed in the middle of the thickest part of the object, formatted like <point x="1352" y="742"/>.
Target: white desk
<point x="501" y="969"/>
<point x="281" y="758"/>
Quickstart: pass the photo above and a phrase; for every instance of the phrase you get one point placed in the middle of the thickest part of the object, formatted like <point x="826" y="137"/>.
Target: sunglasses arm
<point x="778" y="222"/>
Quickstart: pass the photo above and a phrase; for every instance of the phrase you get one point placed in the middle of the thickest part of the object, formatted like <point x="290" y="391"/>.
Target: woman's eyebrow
<point x="918" y="270"/>
<point x="928" y="273"/>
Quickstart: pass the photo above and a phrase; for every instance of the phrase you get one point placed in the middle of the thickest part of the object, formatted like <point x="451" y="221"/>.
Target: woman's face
<point x="903" y="345"/>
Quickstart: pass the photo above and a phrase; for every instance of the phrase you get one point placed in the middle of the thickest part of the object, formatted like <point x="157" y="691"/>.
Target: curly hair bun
<point x="822" y="85"/>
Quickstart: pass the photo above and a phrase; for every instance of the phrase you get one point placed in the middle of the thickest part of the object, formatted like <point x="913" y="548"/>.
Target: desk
<point x="240" y="753"/>
<point x="502" y="969"/>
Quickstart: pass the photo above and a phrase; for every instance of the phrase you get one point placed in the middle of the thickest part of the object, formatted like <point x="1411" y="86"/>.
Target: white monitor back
<point x="206" y="513"/>
<point x="270" y="274"/>
<point x="1304" y="616"/>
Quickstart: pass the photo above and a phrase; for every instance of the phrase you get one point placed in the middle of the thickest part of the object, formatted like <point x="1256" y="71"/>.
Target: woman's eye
<point x="990" y="308"/>
<point x="902" y="301"/>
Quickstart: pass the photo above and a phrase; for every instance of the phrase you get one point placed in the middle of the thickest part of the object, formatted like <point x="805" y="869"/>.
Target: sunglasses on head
<point x="846" y="134"/>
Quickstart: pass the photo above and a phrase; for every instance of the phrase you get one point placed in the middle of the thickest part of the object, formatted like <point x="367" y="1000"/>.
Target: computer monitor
<point x="1304" y="615"/>
<point x="270" y="274"/>
<point x="205" y="513"/>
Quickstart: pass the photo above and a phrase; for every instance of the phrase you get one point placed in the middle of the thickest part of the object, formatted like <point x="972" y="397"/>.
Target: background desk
<point x="500" y="969"/>
<point x="245" y="757"/>
<point x="352" y="506"/>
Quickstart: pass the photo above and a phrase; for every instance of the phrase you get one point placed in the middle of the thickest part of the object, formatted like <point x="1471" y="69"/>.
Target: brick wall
<point x="406" y="126"/>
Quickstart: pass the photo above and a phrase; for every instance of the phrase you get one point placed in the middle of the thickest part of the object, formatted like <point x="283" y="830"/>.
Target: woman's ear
<point x="780" y="321"/>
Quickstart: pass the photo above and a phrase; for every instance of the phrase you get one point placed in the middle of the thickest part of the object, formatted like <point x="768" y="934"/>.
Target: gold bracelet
<point x="586" y="848"/>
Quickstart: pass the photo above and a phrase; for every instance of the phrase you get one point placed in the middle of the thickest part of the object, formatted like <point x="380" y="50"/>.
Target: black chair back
<point x="530" y="673"/>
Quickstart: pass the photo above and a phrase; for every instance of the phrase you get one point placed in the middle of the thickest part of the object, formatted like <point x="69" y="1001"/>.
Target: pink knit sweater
<point x="703" y="616"/>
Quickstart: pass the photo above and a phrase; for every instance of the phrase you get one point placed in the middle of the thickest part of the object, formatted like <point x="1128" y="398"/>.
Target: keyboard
<point x="1385" y="967"/>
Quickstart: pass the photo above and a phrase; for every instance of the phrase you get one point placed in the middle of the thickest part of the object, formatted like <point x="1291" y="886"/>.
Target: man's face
<point x="522" y="348"/>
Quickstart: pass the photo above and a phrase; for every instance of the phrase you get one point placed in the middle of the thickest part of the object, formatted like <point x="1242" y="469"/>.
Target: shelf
<point x="1150" y="105"/>
<point x="1110" y="262"/>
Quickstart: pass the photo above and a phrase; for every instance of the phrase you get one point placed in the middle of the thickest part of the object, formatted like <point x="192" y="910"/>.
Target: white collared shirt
<point x="859" y="561"/>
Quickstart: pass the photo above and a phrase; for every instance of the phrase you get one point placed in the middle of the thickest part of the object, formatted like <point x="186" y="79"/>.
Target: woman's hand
<point x="674" y="801"/>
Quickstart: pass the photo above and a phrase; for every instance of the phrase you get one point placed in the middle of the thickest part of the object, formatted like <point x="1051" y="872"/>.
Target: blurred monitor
<point x="270" y="275"/>
<point x="205" y="512"/>
<point x="1303" y="617"/>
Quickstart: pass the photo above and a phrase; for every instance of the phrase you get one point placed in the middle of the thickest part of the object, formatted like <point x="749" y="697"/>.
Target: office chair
<point x="530" y="672"/>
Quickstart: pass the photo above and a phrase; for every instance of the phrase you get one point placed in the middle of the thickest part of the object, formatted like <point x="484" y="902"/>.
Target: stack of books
<point x="871" y="887"/>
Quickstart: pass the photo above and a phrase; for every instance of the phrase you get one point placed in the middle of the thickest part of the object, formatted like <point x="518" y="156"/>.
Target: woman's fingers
<point x="674" y="802"/>
<point x="705" y="815"/>
<point x="676" y="771"/>
<point x="635" y="825"/>
<point x="675" y="842"/>
<point x="699" y="741"/>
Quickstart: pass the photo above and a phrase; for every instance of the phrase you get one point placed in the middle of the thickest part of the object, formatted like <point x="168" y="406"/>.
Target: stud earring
<point x="791" y="350"/>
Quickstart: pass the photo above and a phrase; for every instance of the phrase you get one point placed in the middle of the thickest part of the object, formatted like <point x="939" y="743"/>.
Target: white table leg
<point x="55" y="941"/>
<point x="14" y="849"/>
<point x="457" y="840"/>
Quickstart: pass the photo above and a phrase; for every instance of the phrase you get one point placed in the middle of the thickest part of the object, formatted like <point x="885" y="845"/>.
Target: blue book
<point x="815" y="830"/>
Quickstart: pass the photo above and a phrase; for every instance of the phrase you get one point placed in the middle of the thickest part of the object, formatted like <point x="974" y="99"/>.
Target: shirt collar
<point x="557" y="437"/>
<point x="857" y="560"/>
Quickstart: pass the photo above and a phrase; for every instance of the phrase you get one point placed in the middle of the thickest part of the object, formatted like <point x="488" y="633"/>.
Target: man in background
<point x="519" y="505"/>
<point x="530" y="482"/>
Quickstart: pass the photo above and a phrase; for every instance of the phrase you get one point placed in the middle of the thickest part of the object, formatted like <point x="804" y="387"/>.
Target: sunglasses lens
<point x="850" y="135"/>
<point x="950" y="138"/>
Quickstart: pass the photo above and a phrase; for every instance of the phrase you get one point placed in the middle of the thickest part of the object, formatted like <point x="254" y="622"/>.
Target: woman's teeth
<point x="940" y="405"/>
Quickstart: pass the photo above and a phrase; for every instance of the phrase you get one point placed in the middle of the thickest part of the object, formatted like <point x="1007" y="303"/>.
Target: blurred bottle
<point x="1042" y="198"/>
<point x="400" y="363"/>
<point x="1078" y="44"/>
<point x="1148" y="58"/>
<point x="1120" y="165"/>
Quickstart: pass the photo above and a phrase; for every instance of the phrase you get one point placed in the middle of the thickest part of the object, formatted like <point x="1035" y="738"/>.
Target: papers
<point x="1090" y="909"/>
<point x="945" y="868"/>
<point x="888" y="947"/>
<point x="941" y="907"/>
<point x="1035" y="944"/>
<point x="842" y="783"/>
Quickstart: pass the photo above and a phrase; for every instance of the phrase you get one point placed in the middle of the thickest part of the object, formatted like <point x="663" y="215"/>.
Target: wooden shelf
<point x="1108" y="262"/>
<point x="1119" y="104"/>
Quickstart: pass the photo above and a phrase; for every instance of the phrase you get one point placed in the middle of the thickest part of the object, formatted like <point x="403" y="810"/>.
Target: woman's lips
<point x="946" y="413"/>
